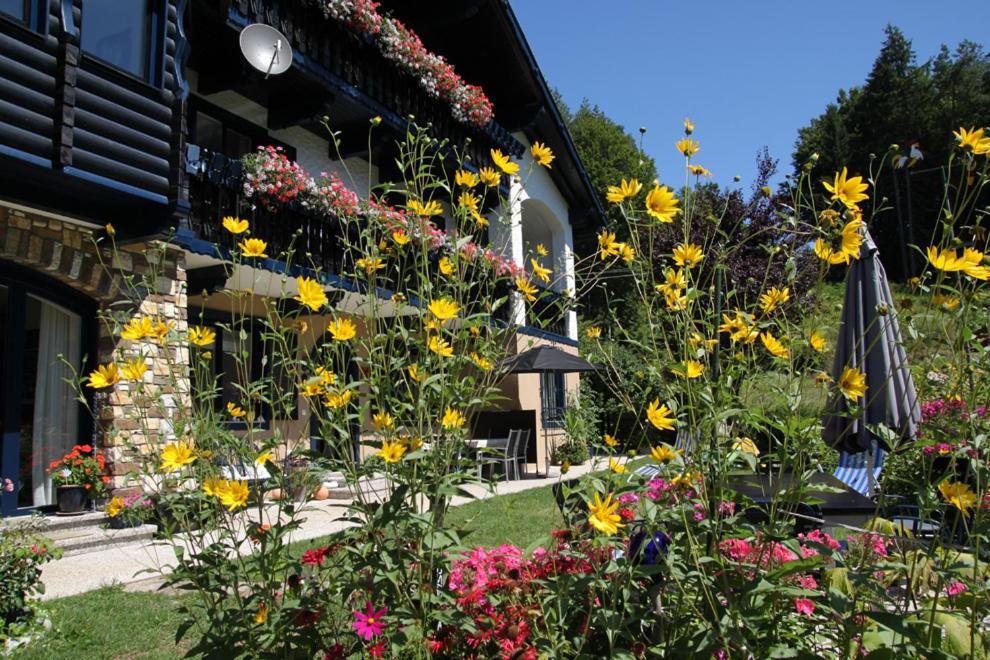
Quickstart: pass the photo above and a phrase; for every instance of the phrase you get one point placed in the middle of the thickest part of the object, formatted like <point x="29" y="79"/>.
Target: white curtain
<point x="56" y="413"/>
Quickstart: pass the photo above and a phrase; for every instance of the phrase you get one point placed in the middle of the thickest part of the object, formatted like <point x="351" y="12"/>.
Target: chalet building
<point x="135" y="114"/>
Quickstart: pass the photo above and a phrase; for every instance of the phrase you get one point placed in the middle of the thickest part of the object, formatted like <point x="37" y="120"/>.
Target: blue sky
<point x="749" y="73"/>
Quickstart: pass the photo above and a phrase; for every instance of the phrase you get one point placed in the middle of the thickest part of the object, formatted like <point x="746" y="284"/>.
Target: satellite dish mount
<point x="266" y="49"/>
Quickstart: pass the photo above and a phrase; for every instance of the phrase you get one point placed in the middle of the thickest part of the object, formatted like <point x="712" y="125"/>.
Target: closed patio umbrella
<point x="870" y="340"/>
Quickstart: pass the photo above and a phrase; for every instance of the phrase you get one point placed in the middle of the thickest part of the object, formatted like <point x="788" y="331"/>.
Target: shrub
<point x="572" y="452"/>
<point x="670" y="565"/>
<point x="23" y="550"/>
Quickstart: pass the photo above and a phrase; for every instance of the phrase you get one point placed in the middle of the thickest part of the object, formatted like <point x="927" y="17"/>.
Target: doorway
<point x="43" y="331"/>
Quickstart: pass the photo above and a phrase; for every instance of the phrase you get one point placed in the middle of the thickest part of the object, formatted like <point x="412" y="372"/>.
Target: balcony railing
<point x="215" y="191"/>
<point x="548" y="312"/>
<point x="341" y="58"/>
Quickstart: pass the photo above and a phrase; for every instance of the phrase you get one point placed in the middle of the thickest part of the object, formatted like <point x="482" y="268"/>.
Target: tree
<point x="609" y="153"/>
<point x="901" y="102"/>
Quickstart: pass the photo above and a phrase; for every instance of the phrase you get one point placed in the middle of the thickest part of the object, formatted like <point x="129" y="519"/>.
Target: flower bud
<point x="376" y="120"/>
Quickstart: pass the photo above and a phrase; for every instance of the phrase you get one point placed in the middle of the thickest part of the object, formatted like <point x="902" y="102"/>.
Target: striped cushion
<point x="852" y="470"/>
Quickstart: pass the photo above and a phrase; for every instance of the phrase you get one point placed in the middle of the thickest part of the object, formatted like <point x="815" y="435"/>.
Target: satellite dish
<point x="266" y="49"/>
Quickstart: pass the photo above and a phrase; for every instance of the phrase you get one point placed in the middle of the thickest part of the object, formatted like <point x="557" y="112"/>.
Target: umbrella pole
<point x="870" y="481"/>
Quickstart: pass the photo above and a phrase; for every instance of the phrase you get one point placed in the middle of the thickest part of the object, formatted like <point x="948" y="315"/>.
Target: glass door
<point x="39" y="411"/>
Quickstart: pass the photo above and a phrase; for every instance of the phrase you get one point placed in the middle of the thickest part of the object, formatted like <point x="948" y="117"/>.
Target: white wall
<point x="535" y="197"/>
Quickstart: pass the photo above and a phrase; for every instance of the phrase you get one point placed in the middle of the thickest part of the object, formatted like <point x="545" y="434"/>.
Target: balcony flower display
<point x="327" y="194"/>
<point x="398" y="43"/>
<point x="271" y="178"/>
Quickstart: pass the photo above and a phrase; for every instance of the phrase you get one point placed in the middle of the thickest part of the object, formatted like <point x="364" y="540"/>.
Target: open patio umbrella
<point x="545" y="360"/>
<point x="870" y="340"/>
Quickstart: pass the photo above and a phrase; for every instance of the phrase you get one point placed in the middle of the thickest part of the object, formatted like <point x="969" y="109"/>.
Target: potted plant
<point x="79" y="476"/>
<point x="129" y="511"/>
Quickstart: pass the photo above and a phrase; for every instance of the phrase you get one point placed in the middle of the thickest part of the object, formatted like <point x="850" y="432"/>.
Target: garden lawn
<point x="524" y="519"/>
<point x="111" y="623"/>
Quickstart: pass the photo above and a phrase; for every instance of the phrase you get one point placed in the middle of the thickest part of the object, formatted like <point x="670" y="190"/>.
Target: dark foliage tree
<point x="901" y="102"/>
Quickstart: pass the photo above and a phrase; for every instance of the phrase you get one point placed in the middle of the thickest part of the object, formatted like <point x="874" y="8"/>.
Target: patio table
<point x="479" y="445"/>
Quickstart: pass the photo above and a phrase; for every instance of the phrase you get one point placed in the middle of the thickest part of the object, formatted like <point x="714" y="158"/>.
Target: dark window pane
<point x="117" y="32"/>
<point x="236" y="144"/>
<point x="209" y="133"/>
<point x="16" y="8"/>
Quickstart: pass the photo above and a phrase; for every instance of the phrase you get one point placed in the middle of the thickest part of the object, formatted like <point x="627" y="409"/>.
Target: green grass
<point x="113" y="624"/>
<point x="523" y="519"/>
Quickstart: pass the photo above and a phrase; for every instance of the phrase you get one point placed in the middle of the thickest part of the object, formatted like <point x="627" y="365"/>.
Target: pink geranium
<point x="955" y="588"/>
<point x="804" y="606"/>
<point x="369" y="624"/>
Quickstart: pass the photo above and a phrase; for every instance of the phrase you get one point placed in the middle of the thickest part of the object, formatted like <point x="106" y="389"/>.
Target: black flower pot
<point x="71" y="499"/>
<point x="124" y="522"/>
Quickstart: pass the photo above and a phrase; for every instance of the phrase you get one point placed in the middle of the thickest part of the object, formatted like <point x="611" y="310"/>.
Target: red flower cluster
<point x="271" y="178"/>
<point x="500" y="590"/>
<point x="317" y="556"/>
<point x="81" y="467"/>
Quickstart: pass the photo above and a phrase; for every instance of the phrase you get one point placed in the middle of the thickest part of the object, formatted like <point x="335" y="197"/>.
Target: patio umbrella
<point x="870" y="340"/>
<point x="544" y="360"/>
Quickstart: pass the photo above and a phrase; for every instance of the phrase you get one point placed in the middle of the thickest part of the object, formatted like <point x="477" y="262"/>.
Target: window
<point x="18" y="9"/>
<point x="553" y="396"/>
<point x="120" y="33"/>
<point x="221" y="131"/>
<point x="46" y="332"/>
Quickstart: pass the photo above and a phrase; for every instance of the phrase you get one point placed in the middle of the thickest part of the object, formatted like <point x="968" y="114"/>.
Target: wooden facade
<point x="80" y="136"/>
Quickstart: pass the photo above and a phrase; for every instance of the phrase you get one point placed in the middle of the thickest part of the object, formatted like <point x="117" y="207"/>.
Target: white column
<point x="515" y="247"/>
<point x="570" y="282"/>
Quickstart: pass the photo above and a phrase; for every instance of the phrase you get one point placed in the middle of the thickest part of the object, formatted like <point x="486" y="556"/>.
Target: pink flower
<point x="804" y="606"/>
<point x="369" y="624"/>
<point x="955" y="588"/>
<point x="821" y="538"/>
<point x="736" y="549"/>
<point x="628" y="498"/>
<point x="807" y="582"/>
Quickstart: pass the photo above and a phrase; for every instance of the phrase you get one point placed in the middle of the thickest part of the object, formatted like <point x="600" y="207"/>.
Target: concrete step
<point x="78" y="540"/>
<point x="54" y="522"/>
<point x="373" y="486"/>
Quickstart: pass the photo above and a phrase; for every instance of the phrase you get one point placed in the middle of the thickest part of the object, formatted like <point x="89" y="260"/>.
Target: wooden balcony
<point x="216" y="190"/>
<point x="359" y="76"/>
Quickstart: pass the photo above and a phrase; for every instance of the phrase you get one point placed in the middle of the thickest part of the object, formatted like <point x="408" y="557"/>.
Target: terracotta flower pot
<point x="71" y="499"/>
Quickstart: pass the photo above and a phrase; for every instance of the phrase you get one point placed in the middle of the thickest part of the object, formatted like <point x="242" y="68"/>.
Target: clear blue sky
<point x="749" y="73"/>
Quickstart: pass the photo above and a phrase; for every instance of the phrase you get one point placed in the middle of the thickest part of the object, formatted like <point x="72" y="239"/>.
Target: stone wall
<point x="64" y="250"/>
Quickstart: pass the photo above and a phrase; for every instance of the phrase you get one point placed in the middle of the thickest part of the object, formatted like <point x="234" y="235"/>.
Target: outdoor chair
<point x="908" y="517"/>
<point x="522" y="446"/>
<point x="853" y="470"/>
<point x="505" y="455"/>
